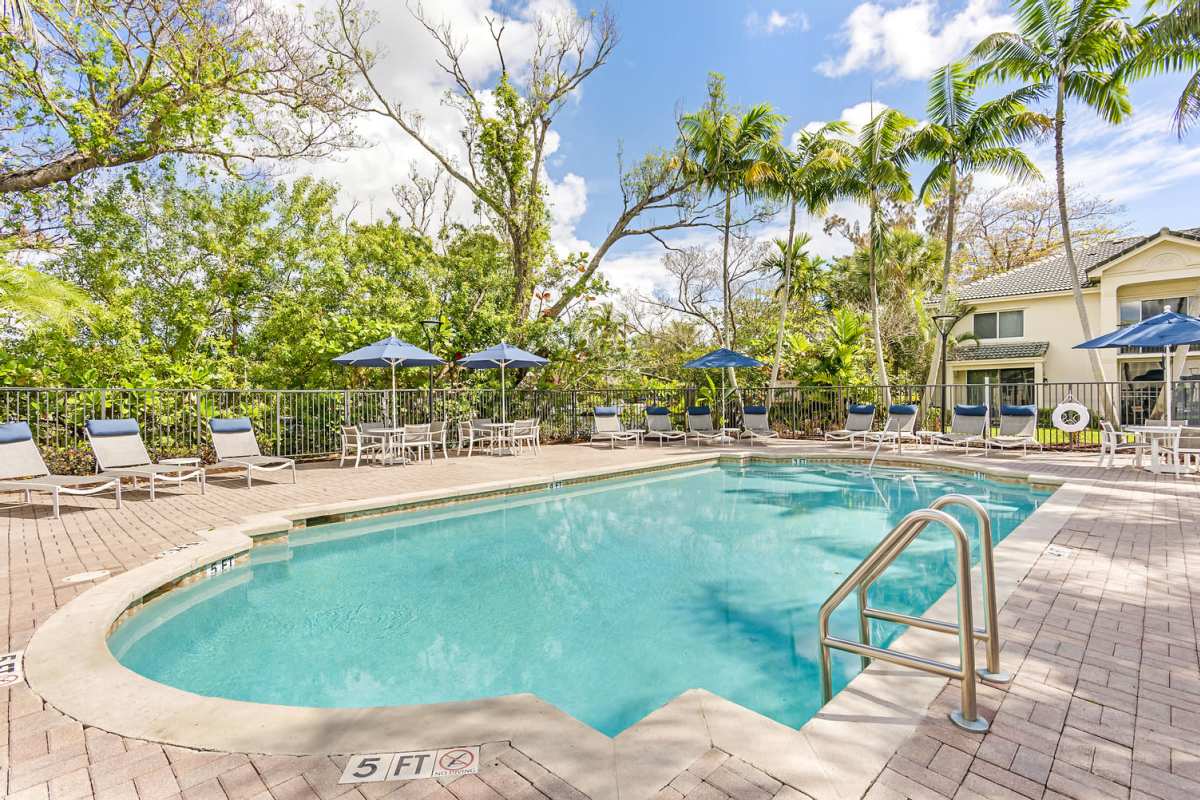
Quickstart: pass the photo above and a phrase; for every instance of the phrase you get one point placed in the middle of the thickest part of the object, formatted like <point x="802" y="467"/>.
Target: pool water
<point x="606" y="599"/>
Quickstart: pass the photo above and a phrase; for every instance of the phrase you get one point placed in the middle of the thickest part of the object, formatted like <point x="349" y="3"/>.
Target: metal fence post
<point x="574" y="414"/>
<point x="277" y="449"/>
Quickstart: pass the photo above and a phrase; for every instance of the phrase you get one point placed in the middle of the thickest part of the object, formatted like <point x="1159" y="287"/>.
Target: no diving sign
<point x="10" y="669"/>
<point x="445" y="763"/>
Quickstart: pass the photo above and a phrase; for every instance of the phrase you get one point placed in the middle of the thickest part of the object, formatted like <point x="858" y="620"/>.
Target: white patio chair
<point x="419" y="439"/>
<point x="859" y="419"/>
<point x="969" y="425"/>
<point x="356" y="443"/>
<point x="756" y="426"/>
<point x="1018" y="428"/>
<point x="23" y="470"/>
<point x="1113" y="442"/>
<point x="900" y="426"/>
<point x="472" y="431"/>
<point x="120" y="451"/>
<point x="526" y="433"/>
<point x="700" y="426"/>
<point x="658" y="426"/>
<point x="438" y="431"/>
<point x="236" y="447"/>
<point x="607" y="427"/>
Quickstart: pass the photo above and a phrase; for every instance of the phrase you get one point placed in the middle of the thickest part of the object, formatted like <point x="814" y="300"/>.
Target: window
<point x="1015" y="386"/>
<point x="1133" y="311"/>
<point x="1000" y="325"/>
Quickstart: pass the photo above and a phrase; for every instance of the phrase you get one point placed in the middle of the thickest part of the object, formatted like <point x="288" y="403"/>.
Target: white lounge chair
<point x="756" y="426"/>
<point x="900" y="426"/>
<point x="1018" y="428"/>
<point x="234" y="442"/>
<point x="120" y="451"/>
<point x="700" y="426"/>
<point x="526" y="433"/>
<point x="859" y="419"/>
<point x="607" y="427"/>
<point x="970" y="424"/>
<point x="659" y="427"/>
<point x="438" y="431"/>
<point x="23" y="470"/>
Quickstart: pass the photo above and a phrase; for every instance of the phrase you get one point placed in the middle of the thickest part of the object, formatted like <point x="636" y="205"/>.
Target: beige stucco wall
<point x="1166" y="268"/>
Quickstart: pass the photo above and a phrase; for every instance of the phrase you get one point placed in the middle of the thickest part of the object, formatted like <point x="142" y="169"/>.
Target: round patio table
<point x="1153" y="434"/>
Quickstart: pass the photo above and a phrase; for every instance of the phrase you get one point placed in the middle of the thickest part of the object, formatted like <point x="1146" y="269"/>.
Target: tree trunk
<point x="784" y="299"/>
<point x="934" y="375"/>
<point x="727" y="303"/>
<point x="875" y="238"/>
<point x="1072" y="270"/>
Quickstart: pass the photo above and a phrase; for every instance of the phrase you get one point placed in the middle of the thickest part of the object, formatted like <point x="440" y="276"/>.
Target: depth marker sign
<point x="375" y="767"/>
<point x="10" y="669"/>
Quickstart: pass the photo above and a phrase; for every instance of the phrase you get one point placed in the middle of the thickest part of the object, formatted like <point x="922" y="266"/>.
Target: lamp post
<point x="429" y="326"/>
<point x="944" y="323"/>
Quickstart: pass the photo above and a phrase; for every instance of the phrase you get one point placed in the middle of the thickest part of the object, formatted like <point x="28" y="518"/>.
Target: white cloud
<point x="856" y="116"/>
<point x="775" y="21"/>
<point x="912" y="39"/>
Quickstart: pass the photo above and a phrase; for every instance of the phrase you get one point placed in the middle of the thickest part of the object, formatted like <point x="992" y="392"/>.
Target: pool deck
<point x="1100" y="632"/>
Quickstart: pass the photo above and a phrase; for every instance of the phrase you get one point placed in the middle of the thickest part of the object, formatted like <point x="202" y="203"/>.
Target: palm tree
<point x="878" y="173"/>
<point x="963" y="137"/>
<point x="805" y="175"/>
<point x="1170" y="42"/>
<point x="1067" y="51"/>
<point x="32" y="297"/>
<point x="729" y="154"/>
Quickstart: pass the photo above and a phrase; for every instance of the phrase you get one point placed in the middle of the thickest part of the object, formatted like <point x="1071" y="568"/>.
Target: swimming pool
<point x="606" y="599"/>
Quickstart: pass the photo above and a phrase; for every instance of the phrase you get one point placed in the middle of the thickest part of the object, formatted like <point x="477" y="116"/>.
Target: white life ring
<point x="1071" y="417"/>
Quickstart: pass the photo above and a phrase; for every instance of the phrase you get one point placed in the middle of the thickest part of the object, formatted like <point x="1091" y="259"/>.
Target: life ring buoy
<point x="1071" y="417"/>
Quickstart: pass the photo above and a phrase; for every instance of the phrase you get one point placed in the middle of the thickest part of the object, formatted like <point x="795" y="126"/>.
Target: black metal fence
<point x="306" y="422"/>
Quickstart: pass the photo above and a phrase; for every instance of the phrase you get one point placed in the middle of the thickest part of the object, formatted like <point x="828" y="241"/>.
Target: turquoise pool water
<point x="606" y="599"/>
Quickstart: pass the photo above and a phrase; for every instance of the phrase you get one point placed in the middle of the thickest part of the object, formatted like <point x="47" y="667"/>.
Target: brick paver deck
<point x="1105" y="702"/>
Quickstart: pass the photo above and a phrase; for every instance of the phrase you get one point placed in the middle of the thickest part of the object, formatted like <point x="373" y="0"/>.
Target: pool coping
<point x="838" y="753"/>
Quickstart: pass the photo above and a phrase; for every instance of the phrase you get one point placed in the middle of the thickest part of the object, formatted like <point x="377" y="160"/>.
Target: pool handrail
<point x="871" y="567"/>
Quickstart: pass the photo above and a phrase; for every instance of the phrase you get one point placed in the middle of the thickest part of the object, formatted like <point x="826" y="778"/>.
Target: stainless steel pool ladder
<point x="874" y="565"/>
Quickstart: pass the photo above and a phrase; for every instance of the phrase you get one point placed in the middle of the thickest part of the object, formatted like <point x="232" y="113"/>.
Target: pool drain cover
<point x="84" y="577"/>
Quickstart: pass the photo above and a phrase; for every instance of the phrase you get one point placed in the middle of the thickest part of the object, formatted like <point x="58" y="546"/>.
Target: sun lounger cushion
<point x="754" y="410"/>
<point x="234" y="425"/>
<point x="606" y="411"/>
<point x="15" y="432"/>
<point x="901" y="409"/>
<point x="1018" y="411"/>
<point x="658" y="411"/>
<point x="970" y="411"/>
<point x="862" y="408"/>
<point x="112" y="427"/>
<point x="697" y="411"/>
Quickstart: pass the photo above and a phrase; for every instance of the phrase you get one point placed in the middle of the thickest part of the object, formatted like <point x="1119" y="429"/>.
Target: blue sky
<point x="811" y="60"/>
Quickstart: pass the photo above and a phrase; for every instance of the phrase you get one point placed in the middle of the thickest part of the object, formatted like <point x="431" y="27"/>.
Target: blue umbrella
<point x="1163" y="330"/>
<point x="389" y="352"/>
<point x="721" y="358"/>
<point x="502" y="356"/>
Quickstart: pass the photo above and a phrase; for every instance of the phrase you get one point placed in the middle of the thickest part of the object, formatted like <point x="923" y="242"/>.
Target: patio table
<point x="1153" y="434"/>
<point x="497" y="432"/>
<point x="393" y="446"/>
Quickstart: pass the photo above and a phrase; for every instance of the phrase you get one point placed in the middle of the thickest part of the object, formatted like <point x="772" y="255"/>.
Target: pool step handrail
<point x="874" y="565"/>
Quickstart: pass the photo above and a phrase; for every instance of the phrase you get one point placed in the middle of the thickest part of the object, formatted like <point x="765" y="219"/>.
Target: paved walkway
<point x="1106" y="701"/>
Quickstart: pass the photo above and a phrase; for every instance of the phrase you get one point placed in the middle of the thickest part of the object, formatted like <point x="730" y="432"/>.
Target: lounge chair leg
<point x="203" y="484"/>
<point x="293" y="472"/>
<point x="152" y="488"/>
<point x="54" y="501"/>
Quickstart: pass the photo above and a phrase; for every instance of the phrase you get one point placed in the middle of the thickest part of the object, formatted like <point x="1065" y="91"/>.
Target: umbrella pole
<point x="394" y="421"/>
<point x="503" y="406"/>
<point x="1168" y="376"/>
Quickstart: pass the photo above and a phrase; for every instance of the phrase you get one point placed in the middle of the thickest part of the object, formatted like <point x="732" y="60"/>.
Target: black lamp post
<point x="944" y="323"/>
<point x="430" y="325"/>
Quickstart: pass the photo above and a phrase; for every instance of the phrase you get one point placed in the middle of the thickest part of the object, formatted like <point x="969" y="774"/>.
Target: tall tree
<point x="731" y="156"/>
<point x="86" y="84"/>
<point x="963" y="137"/>
<point x="505" y="130"/>
<point x="878" y="174"/>
<point x="1066" y="51"/>
<point x="805" y="175"/>
<point x="1170" y="42"/>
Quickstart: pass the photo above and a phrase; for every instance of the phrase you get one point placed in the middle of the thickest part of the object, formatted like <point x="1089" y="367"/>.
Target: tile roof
<point x="989" y="352"/>
<point x="1050" y="274"/>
